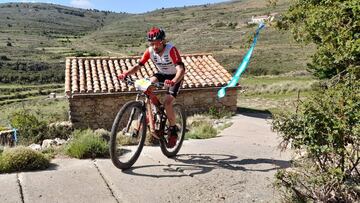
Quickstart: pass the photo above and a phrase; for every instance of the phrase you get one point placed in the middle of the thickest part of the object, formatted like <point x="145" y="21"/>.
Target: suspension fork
<point x="150" y="115"/>
<point x="163" y="121"/>
<point x="132" y="117"/>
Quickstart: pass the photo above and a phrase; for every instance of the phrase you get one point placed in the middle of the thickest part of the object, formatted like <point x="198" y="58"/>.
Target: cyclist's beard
<point x="158" y="50"/>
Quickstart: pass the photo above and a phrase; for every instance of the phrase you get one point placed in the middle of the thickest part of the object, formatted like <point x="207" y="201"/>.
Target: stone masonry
<point x="98" y="111"/>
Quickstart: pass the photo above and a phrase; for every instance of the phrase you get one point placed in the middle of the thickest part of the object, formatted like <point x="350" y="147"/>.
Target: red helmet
<point x="155" y="34"/>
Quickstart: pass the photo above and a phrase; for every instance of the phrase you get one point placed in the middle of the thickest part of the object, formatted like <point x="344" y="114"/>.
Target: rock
<point x="104" y="134"/>
<point x="60" y="141"/>
<point x="36" y="147"/>
<point x="48" y="143"/>
<point x="61" y="129"/>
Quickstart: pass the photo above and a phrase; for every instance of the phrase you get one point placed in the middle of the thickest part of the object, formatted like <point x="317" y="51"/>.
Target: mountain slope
<point x="37" y="37"/>
<point x="218" y="28"/>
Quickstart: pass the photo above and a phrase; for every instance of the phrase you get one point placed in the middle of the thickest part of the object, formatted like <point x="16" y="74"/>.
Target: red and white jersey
<point x="166" y="63"/>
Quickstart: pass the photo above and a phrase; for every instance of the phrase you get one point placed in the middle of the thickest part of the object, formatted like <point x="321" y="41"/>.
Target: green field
<point x="50" y="110"/>
<point x="275" y="93"/>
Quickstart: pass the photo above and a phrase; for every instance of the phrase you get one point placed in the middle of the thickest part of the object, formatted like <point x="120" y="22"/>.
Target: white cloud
<point x="81" y="3"/>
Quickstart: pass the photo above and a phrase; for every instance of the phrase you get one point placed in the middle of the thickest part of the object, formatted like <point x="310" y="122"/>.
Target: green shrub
<point x="60" y="130"/>
<point x="52" y="152"/>
<point x="86" y="144"/>
<point x="326" y="127"/>
<point x="31" y="129"/>
<point x="22" y="159"/>
<point x="219" y="112"/>
<point x="219" y="24"/>
<point x="201" y="130"/>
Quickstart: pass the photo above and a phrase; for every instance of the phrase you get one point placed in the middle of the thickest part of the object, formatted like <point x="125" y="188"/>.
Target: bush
<point x="31" y="129"/>
<point x="219" y="112"/>
<point x="201" y="130"/>
<point x="326" y="128"/>
<point x="305" y="182"/>
<point x="86" y="144"/>
<point x="219" y="24"/>
<point x="22" y="159"/>
<point x="60" y="130"/>
<point x="4" y="58"/>
<point x="104" y="134"/>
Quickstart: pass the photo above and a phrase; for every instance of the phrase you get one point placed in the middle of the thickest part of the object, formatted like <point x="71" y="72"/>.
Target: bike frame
<point x="147" y="104"/>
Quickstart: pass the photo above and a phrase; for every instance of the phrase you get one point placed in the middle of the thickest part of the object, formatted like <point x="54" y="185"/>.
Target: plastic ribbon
<point x="242" y="66"/>
<point x="15" y="135"/>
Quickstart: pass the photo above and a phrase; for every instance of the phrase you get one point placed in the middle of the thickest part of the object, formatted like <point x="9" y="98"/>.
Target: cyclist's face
<point x="157" y="45"/>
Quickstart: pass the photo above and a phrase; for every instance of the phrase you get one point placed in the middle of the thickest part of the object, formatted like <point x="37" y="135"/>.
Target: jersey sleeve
<point x="145" y="57"/>
<point x="175" y="56"/>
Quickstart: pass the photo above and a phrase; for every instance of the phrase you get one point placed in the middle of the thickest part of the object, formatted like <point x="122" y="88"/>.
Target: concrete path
<point x="237" y="166"/>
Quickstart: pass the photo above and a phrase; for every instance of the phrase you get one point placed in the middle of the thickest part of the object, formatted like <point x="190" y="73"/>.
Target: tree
<point x="333" y="26"/>
<point x="325" y="135"/>
<point x="324" y="131"/>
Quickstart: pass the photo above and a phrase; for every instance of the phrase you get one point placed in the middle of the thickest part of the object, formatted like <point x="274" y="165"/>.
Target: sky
<point x="129" y="6"/>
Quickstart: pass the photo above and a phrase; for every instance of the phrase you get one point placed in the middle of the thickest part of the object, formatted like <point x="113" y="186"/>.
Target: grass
<point x="206" y="126"/>
<point x="49" y="110"/>
<point x="87" y="144"/>
<point x="274" y="92"/>
<point x="202" y="130"/>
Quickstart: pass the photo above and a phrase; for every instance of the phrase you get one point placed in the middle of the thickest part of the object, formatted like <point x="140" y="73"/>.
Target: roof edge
<point x="131" y="57"/>
<point x="136" y="92"/>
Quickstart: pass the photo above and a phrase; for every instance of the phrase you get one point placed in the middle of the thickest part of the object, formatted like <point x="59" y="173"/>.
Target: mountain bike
<point x="129" y="129"/>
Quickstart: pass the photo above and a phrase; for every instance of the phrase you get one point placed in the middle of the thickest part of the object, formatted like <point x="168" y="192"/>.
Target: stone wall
<point x="98" y="111"/>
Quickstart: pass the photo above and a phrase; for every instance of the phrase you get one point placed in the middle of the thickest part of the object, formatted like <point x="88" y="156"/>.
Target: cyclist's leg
<point x="169" y="101"/>
<point x="168" y="104"/>
<point x="155" y="78"/>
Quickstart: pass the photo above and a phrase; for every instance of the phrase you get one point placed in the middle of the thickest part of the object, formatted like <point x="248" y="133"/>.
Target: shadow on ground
<point x="196" y="164"/>
<point x="264" y="114"/>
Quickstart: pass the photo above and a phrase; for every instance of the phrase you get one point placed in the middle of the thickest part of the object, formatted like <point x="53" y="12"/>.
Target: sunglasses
<point x="155" y="43"/>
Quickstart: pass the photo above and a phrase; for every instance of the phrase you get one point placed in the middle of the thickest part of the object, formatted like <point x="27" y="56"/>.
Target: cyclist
<point x="171" y="71"/>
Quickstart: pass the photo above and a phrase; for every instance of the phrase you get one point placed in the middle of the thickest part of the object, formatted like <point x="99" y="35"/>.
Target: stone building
<point x="95" y="94"/>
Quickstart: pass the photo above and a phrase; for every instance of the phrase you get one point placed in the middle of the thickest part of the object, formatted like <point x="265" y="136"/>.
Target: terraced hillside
<point x="35" y="38"/>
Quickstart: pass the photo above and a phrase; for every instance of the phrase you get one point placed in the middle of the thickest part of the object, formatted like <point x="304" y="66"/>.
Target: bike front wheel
<point x="181" y="128"/>
<point x="128" y="134"/>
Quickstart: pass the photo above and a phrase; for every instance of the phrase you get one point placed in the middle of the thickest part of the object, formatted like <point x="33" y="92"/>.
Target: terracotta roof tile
<point x="99" y="74"/>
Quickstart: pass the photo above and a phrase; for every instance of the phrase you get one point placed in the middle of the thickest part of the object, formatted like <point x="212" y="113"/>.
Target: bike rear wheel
<point x="128" y="135"/>
<point x="181" y="128"/>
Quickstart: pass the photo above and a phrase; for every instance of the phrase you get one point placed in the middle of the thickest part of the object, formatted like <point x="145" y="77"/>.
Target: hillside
<point x="218" y="28"/>
<point x="37" y="37"/>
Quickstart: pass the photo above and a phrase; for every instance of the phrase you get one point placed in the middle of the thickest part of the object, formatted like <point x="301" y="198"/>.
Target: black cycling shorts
<point x="173" y="90"/>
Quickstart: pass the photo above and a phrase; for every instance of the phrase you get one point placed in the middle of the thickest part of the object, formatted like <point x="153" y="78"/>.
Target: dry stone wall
<point x="98" y="111"/>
